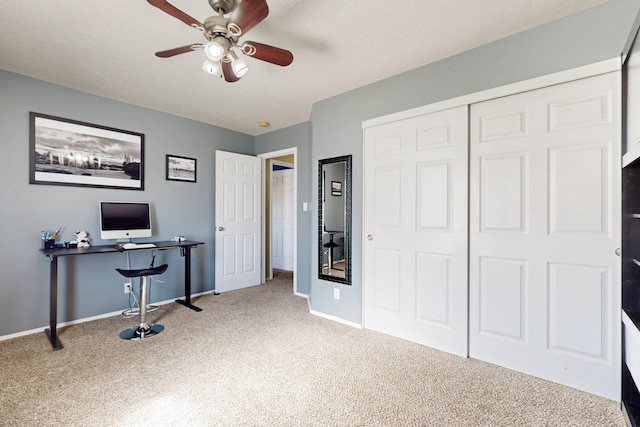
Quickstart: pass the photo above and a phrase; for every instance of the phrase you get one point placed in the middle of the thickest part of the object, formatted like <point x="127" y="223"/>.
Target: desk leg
<point x="51" y="332"/>
<point x="187" y="280"/>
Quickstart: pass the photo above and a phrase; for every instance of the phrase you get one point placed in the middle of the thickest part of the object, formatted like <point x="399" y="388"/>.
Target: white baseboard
<point x="89" y="319"/>
<point x="335" y="319"/>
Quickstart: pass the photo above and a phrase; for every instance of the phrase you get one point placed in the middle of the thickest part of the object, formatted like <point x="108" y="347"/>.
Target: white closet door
<point x="415" y="223"/>
<point x="282" y="212"/>
<point x="544" y="227"/>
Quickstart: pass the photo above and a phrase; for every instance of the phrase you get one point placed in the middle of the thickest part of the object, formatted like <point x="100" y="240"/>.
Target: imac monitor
<point x="124" y="220"/>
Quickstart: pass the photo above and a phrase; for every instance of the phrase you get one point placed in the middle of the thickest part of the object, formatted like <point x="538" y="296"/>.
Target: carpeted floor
<point x="256" y="357"/>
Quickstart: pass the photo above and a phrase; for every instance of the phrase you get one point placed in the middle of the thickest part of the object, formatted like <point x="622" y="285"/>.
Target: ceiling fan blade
<point x="267" y="53"/>
<point x="166" y="7"/>
<point x="247" y="15"/>
<point x="178" y="50"/>
<point x="228" y="73"/>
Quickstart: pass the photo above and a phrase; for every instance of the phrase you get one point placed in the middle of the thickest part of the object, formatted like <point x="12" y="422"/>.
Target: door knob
<point x="369" y="237"/>
<point x="220" y="228"/>
<point x="618" y="251"/>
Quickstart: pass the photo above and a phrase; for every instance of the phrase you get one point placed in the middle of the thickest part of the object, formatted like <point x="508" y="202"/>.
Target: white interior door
<point x="415" y="223"/>
<point x="238" y="221"/>
<point x="544" y="227"/>
<point x="282" y="211"/>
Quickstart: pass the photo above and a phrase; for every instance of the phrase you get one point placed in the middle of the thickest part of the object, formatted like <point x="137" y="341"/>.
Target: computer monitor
<point x="124" y="220"/>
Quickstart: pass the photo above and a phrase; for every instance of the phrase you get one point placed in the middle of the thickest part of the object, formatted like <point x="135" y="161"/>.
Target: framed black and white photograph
<point x="181" y="168"/>
<point x="69" y="152"/>
<point x="336" y="188"/>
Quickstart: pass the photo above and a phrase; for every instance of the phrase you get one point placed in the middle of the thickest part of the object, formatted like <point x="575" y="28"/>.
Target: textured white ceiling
<point x="107" y="48"/>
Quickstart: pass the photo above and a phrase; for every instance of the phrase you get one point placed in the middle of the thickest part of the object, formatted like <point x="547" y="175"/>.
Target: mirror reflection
<point x="334" y="219"/>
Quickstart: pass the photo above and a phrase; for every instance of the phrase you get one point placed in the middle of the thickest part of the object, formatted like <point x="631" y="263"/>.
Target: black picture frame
<point x="336" y="188"/>
<point x="73" y="153"/>
<point x="179" y="168"/>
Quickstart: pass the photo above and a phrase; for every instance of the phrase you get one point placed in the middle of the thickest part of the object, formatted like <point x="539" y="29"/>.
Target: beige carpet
<point x="255" y="357"/>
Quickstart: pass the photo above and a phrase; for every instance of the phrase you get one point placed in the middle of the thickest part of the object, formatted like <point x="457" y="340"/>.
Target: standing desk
<point x="55" y="253"/>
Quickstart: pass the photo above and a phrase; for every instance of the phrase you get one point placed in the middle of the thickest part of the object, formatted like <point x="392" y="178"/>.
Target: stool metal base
<point x="141" y="332"/>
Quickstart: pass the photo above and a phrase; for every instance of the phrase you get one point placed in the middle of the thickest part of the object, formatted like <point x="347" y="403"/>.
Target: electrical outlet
<point x="336" y="293"/>
<point x="127" y="288"/>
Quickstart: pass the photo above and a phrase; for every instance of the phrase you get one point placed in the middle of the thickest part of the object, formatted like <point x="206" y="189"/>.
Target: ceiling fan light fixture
<point x="211" y="67"/>
<point x="239" y="67"/>
<point x="216" y="48"/>
<point x="222" y="35"/>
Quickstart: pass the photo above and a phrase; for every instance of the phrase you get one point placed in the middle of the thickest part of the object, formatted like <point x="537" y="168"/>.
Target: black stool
<point x="144" y="330"/>
<point x="330" y="245"/>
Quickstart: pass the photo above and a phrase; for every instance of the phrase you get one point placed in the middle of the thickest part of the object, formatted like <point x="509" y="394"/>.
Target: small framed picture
<point x="181" y="168"/>
<point x="336" y="188"/>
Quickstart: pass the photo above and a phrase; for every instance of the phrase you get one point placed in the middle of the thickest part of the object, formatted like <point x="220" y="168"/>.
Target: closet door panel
<point x="544" y="227"/>
<point x="415" y="255"/>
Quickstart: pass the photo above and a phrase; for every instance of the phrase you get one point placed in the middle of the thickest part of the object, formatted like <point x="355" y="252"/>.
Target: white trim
<point x="362" y="231"/>
<point x="271" y="155"/>
<point x="279" y="153"/>
<point x="263" y="222"/>
<point x="602" y="67"/>
<point x="268" y="173"/>
<point x="335" y="319"/>
<point x="88" y="319"/>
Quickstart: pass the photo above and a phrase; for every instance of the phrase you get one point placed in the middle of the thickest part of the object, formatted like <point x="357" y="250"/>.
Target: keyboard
<point x="138" y="245"/>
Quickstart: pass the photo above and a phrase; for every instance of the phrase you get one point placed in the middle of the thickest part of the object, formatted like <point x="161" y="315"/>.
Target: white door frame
<point x="268" y="173"/>
<point x="264" y="157"/>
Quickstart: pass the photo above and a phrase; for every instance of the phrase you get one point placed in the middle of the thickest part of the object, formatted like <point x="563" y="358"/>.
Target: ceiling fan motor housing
<point x="225" y="6"/>
<point x="215" y="25"/>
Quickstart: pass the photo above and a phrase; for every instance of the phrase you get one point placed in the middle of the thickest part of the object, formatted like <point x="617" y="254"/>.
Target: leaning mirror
<point x="334" y="219"/>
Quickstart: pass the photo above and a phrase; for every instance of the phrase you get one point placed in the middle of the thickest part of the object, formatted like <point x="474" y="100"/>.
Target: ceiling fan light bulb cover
<point x="240" y="67"/>
<point x="214" y="51"/>
<point x="212" y="68"/>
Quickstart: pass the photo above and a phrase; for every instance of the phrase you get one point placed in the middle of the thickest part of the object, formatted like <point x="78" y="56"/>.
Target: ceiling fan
<point x="233" y="19"/>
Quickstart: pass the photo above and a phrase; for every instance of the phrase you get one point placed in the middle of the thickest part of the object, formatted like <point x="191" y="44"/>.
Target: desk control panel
<point x="128" y="246"/>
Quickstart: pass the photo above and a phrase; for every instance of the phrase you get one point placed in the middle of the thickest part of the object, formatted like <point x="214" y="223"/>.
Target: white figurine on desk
<point x="82" y="237"/>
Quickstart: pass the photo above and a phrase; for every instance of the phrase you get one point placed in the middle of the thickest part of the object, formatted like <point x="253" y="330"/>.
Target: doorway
<point x="285" y="225"/>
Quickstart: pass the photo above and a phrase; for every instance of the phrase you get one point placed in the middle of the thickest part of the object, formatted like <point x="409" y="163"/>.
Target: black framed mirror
<point x="334" y="219"/>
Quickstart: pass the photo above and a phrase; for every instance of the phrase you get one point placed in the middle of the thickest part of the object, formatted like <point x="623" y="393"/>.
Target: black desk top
<point x="100" y="249"/>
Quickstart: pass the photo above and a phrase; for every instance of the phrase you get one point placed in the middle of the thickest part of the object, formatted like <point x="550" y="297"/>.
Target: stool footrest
<point x="141" y="332"/>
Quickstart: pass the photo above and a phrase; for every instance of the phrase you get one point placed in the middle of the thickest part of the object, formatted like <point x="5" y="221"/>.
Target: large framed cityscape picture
<point x="69" y="152"/>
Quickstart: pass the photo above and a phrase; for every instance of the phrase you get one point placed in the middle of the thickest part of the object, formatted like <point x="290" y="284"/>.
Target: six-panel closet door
<point x="545" y="197"/>
<point x="415" y="223"/>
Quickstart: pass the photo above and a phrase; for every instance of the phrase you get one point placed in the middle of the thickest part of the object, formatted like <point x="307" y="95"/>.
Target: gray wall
<point x="594" y="35"/>
<point x="93" y="287"/>
<point x="298" y="136"/>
